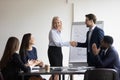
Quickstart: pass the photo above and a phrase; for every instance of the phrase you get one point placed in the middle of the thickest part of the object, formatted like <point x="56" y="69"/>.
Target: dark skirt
<point x="55" y="56"/>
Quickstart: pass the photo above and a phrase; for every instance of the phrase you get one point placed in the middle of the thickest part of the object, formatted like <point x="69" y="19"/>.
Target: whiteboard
<point x="78" y="33"/>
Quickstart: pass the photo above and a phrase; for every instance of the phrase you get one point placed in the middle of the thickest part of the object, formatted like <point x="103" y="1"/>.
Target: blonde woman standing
<point x="55" y="44"/>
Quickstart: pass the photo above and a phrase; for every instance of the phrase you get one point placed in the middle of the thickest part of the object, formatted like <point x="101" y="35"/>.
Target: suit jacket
<point x="13" y="67"/>
<point x="96" y="37"/>
<point x="108" y="60"/>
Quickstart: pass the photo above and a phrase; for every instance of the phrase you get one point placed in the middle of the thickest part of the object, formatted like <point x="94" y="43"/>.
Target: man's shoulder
<point x="34" y="48"/>
<point x="112" y="49"/>
<point x="98" y="29"/>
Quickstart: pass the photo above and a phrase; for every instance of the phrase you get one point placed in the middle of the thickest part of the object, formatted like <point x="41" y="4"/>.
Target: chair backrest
<point x="101" y="74"/>
<point x="1" y="76"/>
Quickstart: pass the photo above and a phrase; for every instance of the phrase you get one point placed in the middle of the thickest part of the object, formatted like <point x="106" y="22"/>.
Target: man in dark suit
<point x="94" y="35"/>
<point x="106" y="56"/>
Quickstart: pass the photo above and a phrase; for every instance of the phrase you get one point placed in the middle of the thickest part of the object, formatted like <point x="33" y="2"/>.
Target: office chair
<point x="101" y="74"/>
<point x="1" y="76"/>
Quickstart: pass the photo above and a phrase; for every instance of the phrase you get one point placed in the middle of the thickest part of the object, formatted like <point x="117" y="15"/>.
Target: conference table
<point x="61" y="71"/>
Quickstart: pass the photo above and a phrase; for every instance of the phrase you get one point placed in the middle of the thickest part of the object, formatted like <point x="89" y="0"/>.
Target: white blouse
<point x="55" y="39"/>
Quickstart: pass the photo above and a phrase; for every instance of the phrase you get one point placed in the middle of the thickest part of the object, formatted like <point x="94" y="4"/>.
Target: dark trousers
<point x="55" y="56"/>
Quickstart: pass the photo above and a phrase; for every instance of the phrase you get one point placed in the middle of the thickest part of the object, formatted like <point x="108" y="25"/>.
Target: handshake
<point x="73" y="43"/>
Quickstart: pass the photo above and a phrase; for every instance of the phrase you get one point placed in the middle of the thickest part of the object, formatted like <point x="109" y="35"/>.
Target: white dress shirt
<point x="55" y="39"/>
<point x="89" y="36"/>
<point x="90" y="32"/>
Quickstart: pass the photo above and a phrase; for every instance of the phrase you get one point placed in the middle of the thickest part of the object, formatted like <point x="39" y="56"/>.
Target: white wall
<point x="18" y="17"/>
<point x="21" y="16"/>
<point x="105" y="10"/>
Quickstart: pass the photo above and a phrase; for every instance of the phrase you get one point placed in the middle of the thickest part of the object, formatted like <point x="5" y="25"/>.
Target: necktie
<point x="103" y="52"/>
<point x="89" y="36"/>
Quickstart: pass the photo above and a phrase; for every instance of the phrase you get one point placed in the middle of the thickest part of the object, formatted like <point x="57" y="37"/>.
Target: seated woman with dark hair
<point x="28" y="52"/>
<point x="11" y="63"/>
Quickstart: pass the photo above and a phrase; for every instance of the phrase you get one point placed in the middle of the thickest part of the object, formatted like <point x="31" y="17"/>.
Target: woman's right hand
<point x="31" y="63"/>
<point x="41" y="64"/>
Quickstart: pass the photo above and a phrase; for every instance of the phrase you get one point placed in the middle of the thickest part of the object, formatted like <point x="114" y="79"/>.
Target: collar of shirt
<point x="57" y="30"/>
<point x="92" y="28"/>
<point x="105" y="51"/>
